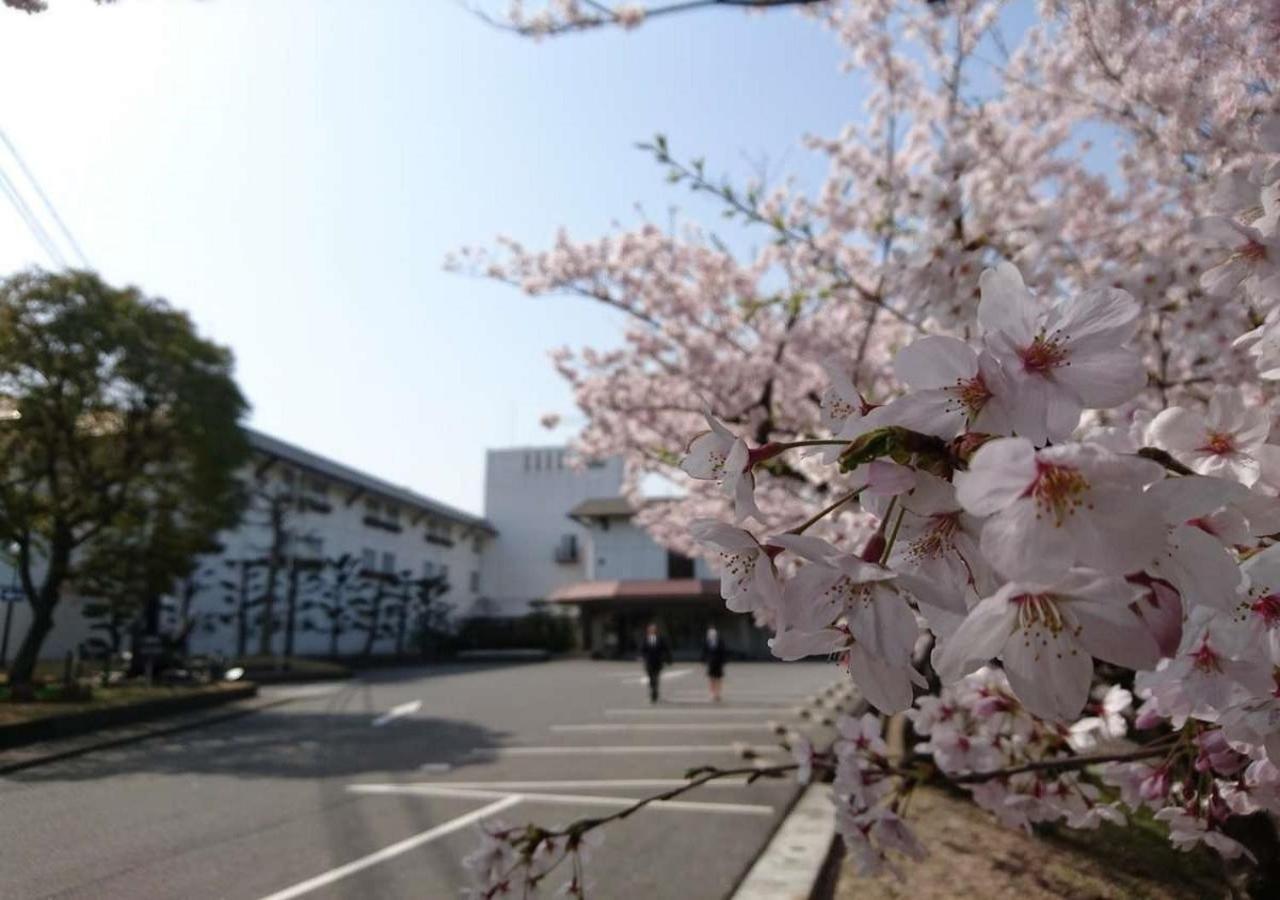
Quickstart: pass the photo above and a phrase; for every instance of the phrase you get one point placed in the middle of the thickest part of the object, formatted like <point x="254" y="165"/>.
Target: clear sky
<point x="293" y="173"/>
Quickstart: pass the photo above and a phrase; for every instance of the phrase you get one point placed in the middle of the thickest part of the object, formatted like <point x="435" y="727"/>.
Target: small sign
<point x="150" y="645"/>
<point x="11" y="595"/>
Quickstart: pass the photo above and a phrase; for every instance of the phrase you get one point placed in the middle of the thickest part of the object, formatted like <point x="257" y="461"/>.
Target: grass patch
<point x="318" y="668"/>
<point x="101" y="698"/>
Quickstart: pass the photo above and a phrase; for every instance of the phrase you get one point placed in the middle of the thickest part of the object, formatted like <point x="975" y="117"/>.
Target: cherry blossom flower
<point x="721" y="456"/>
<point x="1227" y="441"/>
<point x="1070" y="504"/>
<point x="1046" y="635"/>
<point x="1059" y="359"/>
<point x="747" y="578"/>
<point x="1252" y="253"/>
<point x="1108" y="725"/>
<point x="953" y="389"/>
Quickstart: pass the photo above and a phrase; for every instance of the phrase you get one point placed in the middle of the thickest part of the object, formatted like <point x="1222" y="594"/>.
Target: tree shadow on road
<point x="277" y="743"/>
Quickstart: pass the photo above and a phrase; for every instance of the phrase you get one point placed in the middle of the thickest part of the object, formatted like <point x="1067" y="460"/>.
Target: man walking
<point x="656" y="654"/>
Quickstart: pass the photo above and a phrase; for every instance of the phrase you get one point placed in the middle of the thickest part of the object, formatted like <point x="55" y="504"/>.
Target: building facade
<point x="327" y="511"/>
<point x="567" y="542"/>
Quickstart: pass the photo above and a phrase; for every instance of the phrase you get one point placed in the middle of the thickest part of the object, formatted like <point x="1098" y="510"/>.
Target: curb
<point x="797" y="861"/>
<point x="59" y="727"/>
<point x="125" y="735"/>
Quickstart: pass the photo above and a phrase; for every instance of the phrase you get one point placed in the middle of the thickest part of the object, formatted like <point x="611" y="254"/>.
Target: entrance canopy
<point x="662" y="590"/>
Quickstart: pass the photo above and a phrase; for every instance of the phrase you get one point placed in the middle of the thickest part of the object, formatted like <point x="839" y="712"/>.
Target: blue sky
<point x="293" y="173"/>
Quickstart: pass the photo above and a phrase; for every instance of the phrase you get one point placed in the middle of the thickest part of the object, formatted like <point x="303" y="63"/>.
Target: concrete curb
<point x="58" y="727"/>
<point x="796" y="860"/>
<point x="19" y="758"/>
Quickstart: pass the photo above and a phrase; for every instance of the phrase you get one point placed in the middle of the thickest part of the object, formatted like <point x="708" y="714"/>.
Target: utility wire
<point x="29" y="219"/>
<point x="44" y="198"/>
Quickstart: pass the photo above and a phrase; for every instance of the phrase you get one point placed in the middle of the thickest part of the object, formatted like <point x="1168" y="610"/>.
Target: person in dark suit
<point x="713" y="654"/>
<point x="656" y="654"/>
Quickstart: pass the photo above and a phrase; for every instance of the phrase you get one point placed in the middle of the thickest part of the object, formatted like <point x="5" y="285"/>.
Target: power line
<point x="44" y="198"/>
<point x="29" y="219"/>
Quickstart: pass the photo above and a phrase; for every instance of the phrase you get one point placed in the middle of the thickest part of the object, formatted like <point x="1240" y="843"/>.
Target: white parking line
<point x="668" y="675"/>
<point x="623" y="749"/>
<point x="364" y="862"/>
<point x="579" y="784"/>
<point x="396" y="712"/>
<point x="666" y="726"/>
<point x="564" y="799"/>
<point x="676" y="711"/>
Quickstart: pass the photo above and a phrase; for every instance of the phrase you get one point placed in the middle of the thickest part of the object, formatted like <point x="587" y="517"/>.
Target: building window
<point x="428" y="569"/>
<point x="368" y="559"/>
<point x="475" y="582"/>
<point x="679" y="565"/>
<point x="444" y="571"/>
<point x="567" y="549"/>
<point x="388" y="562"/>
<point x="477" y="544"/>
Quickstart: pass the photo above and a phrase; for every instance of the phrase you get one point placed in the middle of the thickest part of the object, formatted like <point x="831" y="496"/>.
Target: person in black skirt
<point x="713" y="654"/>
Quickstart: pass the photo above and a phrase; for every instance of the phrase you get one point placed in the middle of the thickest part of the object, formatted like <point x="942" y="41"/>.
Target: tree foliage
<point x="121" y="466"/>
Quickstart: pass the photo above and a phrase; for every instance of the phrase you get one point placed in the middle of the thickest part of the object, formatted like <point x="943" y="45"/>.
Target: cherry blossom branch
<point x="827" y="510"/>
<point x="1067" y="764"/>
<point x="1164" y="458"/>
<point x="609" y="16"/>
<point x="709" y="774"/>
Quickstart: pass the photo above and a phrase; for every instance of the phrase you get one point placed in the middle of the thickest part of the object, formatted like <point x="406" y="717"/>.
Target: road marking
<point x="624" y="749"/>
<point x="303" y="691"/>
<point x="435" y="767"/>
<point x="675" y="711"/>
<point x="425" y="790"/>
<point x="667" y="726"/>
<point x="580" y="784"/>
<point x="396" y="712"/>
<point x="666" y="676"/>
<point x="364" y="862"/>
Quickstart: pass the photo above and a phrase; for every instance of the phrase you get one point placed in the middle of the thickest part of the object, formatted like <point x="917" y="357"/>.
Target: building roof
<point x="603" y="508"/>
<point x="274" y="447"/>
<point x="638" y="590"/>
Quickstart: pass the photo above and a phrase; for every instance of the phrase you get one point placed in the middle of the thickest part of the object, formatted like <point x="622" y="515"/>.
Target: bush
<point x="538" y="631"/>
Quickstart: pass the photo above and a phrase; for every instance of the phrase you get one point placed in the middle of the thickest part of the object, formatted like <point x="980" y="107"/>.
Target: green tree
<point x="122" y="464"/>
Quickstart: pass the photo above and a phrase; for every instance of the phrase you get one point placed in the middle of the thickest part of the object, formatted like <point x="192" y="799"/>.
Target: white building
<point x="567" y="540"/>
<point x="331" y="510"/>
<point x="528" y="493"/>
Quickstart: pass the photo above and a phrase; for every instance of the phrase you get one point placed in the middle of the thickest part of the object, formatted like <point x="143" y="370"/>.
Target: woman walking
<point x="713" y="654"/>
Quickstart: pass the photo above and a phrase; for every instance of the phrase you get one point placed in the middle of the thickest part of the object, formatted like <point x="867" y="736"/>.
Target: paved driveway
<point x="372" y="788"/>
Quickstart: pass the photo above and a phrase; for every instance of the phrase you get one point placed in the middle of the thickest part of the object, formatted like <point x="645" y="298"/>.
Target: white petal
<point x="935" y="362"/>
<point x="999" y="473"/>
<point x="722" y="536"/>
<point x="1049" y="672"/>
<point x="1006" y="305"/>
<point x="887" y="688"/>
<point x="1102" y="379"/>
<point x="1102" y="318"/>
<point x="1176" y="429"/>
<point x="1114" y="633"/>
<point x="1122" y="533"/>
<point x="980" y="638"/>
<point x="1021" y="543"/>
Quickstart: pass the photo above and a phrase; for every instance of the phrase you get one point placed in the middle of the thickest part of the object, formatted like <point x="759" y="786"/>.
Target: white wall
<point x="623" y="550"/>
<point x="70" y="627"/>
<point x="528" y="493"/>
<point x="330" y="534"/>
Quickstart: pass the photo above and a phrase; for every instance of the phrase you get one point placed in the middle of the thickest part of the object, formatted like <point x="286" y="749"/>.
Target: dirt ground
<point x="972" y="856"/>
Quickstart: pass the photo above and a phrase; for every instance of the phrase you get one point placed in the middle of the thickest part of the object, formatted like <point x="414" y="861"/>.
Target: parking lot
<point x="374" y="787"/>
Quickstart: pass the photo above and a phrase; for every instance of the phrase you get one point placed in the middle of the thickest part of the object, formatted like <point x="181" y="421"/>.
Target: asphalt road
<point x="372" y="788"/>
